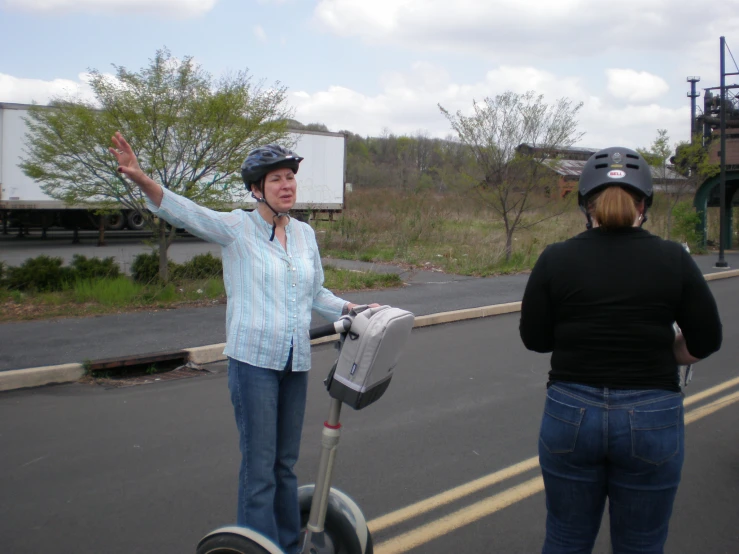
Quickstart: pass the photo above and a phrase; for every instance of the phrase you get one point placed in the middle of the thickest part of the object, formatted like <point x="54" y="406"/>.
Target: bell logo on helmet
<point x="616" y="174"/>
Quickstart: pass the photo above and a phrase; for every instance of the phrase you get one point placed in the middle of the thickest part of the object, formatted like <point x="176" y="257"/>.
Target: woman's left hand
<point x="351" y="306"/>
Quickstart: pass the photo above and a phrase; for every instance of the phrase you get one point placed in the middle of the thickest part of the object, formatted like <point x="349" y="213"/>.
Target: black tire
<point x="227" y="543"/>
<point x="341" y="533"/>
<point x="115" y="221"/>
<point x="135" y="221"/>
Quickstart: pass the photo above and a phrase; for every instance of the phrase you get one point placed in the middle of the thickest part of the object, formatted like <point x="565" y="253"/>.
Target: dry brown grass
<point x="456" y="233"/>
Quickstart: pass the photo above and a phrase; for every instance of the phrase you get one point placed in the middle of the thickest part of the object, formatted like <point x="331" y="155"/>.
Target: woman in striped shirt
<point x="273" y="277"/>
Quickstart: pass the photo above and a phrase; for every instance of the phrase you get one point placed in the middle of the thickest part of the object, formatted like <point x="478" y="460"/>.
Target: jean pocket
<point x="560" y="426"/>
<point x="655" y="434"/>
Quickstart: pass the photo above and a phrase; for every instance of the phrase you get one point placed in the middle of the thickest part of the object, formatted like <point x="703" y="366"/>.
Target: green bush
<point x="42" y="274"/>
<point x="202" y="266"/>
<point x="685" y="224"/>
<point x="145" y="267"/>
<point x="94" y="268"/>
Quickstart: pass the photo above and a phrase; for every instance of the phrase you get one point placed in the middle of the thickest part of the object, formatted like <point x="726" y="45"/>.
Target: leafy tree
<point x="189" y="131"/>
<point x="659" y="152"/>
<point x="506" y="178"/>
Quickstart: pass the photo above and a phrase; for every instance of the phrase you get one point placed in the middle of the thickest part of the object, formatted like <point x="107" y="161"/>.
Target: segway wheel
<point x="230" y="545"/>
<point x="236" y="541"/>
<point x="341" y="534"/>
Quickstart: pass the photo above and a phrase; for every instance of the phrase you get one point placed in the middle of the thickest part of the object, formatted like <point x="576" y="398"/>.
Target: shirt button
<point x="293" y="284"/>
<point x="293" y="269"/>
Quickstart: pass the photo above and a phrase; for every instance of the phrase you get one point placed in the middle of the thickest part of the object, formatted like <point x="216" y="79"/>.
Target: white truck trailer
<point x="23" y="204"/>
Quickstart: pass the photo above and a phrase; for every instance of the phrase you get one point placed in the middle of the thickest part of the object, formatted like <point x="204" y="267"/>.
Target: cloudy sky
<point x="374" y="66"/>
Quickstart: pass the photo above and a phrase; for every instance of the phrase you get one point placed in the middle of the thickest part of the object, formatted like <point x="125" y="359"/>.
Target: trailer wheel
<point x="115" y="221"/>
<point x="135" y="221"/>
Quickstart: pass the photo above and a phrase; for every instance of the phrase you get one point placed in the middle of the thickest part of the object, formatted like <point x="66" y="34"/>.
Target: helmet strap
<point x="589" y="224"/>
<point x="644" y="217"/>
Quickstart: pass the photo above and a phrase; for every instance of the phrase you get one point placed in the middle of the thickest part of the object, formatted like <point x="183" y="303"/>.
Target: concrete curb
<point x="37" y="376"/>
<point x="66" y="373"/>
<point x="723" y="274"/>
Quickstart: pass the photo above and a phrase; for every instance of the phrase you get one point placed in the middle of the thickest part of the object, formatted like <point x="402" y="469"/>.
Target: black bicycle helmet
<point x="615" y="166"/>
<point x="264" y="159"/>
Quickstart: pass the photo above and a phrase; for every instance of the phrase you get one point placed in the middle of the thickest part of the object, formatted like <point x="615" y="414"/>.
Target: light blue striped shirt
<point x="271" y="291"/>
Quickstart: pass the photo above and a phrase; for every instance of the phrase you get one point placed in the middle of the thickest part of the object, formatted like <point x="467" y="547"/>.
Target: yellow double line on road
<point x="430" y="531"/>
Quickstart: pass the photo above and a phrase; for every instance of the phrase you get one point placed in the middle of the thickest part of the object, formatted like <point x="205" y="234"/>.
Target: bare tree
<point x="508" y="177"/>
<point x="189" y="131"/>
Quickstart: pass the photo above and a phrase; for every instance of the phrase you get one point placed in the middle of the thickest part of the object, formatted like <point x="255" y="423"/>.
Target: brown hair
<point x="614" y="208"/>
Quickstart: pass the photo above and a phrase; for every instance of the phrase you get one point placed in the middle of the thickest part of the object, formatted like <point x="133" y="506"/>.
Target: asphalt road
<point x="151" y="468"/>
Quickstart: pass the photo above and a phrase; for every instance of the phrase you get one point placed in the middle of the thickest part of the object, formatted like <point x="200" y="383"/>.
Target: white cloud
<point x="635" y="86"/>
<point x="260" y="33"/>
<point x="631" y="126"/>
<point x="26" y="91"/>
<point x="515" y="29"/>
<point x="408" y="103"/>
<point x="178" y="9"/>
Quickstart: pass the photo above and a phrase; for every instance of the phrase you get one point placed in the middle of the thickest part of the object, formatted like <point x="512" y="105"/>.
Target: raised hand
<point x="129" y="166"/>
<point x="127" y="162"/>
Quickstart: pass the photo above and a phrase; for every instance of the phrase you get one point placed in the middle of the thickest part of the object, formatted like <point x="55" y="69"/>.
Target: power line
<point x="732" y="56"/>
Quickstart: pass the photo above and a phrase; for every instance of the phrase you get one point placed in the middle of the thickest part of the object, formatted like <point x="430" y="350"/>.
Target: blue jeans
<point x="627" y="445"/>
<point x="269" y="406"/>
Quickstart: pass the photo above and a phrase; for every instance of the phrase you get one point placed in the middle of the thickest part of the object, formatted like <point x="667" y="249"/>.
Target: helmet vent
<point x="599" y="156"/>
<point x="600" y="166"/>
<point x="632" y="156"/>
<point x="632" y="166"/>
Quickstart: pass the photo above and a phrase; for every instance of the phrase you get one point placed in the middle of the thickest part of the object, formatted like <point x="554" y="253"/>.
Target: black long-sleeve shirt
<point x="604" y="302"/>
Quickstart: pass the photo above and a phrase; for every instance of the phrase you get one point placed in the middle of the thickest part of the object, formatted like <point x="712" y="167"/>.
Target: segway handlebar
<point x="340" y="326"/>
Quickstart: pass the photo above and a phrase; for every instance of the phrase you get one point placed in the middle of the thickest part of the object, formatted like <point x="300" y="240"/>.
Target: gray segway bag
<point x="370" y="350"/>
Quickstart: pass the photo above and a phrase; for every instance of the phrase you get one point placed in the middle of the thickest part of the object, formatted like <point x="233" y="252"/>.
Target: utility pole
<point x="722" y="182"/>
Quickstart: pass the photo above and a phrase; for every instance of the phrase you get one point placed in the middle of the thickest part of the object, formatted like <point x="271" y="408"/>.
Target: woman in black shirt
<point x="604" y="303"/>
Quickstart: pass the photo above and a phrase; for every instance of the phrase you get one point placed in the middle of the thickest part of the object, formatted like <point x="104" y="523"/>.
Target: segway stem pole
<point x="329" y="445"/>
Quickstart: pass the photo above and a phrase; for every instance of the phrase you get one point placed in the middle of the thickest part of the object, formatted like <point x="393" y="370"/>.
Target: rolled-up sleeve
<point x="537" y="314"/>
<point x="182" y="213"/>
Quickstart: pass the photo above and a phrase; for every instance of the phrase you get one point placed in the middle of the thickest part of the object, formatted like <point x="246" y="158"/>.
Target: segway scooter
<point x="370" y="343"/>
